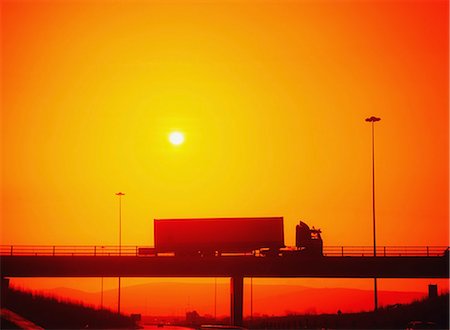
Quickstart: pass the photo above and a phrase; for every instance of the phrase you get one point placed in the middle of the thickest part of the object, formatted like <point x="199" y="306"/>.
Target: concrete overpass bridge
<point x="114" y="261"/>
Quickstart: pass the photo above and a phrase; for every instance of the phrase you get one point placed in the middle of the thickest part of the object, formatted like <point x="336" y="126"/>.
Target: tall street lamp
<point x="120" y="194"/>
<point x="373" y="120"/>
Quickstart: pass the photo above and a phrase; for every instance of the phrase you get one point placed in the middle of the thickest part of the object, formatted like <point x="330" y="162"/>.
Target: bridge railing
<point x="67" y="250"/>
<point x="99" y="250"/>
<point x="384" y="251"/>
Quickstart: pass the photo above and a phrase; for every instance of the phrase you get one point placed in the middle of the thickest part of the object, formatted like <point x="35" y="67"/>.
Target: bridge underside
<point x="236" y="267"/>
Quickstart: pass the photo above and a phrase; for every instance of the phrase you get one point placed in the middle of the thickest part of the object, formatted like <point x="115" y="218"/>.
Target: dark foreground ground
<point x="51" y="313"/>
<point x="430" y="313"/>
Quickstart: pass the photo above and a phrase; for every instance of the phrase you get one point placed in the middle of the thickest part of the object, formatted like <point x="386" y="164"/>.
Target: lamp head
<point x="373" y="119"/>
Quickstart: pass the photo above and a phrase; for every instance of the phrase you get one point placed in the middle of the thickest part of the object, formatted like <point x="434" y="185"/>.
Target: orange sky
<point x="271" y="96"/>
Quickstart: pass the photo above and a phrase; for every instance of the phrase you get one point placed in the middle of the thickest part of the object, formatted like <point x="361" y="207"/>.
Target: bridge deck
<point x="226" y="266"/>
<point x="340" y="262"/>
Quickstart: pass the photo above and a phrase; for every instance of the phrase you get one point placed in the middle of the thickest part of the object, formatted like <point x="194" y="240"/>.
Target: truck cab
<point x="308" y="239"/>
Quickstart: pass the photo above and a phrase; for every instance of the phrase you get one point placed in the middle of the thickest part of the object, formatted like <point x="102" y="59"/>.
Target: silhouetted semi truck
<point x="217" y="236"/>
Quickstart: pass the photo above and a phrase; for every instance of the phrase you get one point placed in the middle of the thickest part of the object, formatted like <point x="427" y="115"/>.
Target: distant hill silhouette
<point x="177" y="298"/>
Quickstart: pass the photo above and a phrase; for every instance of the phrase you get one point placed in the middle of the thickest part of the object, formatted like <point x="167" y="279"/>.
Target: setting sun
<point x="176" y="138"/>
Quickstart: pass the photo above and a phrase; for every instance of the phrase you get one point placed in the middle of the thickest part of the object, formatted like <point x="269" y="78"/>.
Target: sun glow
<point x="176" y="138"/>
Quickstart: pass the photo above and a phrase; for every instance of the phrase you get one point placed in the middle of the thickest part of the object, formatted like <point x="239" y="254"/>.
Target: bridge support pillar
<point x="237" y="300"/>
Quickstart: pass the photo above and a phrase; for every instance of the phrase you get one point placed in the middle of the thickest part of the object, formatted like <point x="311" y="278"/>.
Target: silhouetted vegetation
<point x="53" y="313"/>
<point x="4" y="324"/>
<point x="434" y="311"/>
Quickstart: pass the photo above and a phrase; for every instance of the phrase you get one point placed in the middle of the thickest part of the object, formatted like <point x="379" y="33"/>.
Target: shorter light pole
<point x="215" y="298"/>
<point x="101" y="297"/>
<point x="120" y="194"/>
<point x="251" y="298"/>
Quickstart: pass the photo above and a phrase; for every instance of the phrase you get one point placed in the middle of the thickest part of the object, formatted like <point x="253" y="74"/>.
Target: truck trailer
<point x="262" y="236"/>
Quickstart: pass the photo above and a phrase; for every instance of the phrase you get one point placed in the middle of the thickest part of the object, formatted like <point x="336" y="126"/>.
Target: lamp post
<point x="101" y="297"/>
<point x="120" y="194"/>
<point x="373" y="120"/>
<point x="215" y="298"/>
<point x="251" y="299"/>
